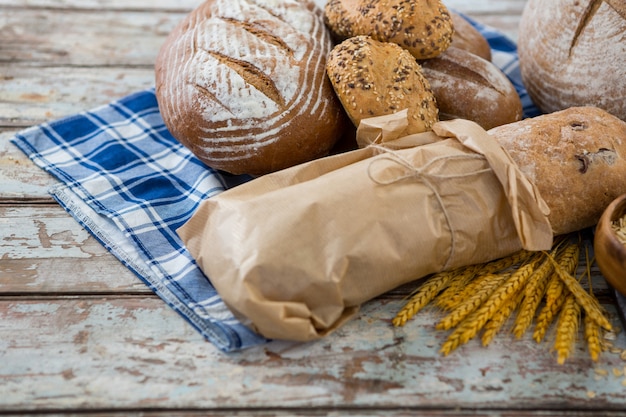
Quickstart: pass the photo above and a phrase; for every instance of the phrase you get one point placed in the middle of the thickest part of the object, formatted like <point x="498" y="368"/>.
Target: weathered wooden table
<point x="79" y="333"/>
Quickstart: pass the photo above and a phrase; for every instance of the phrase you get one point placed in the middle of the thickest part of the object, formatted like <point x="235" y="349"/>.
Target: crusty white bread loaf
<point x="467" y="37"/>
<point x="242" y="83"/>
<point x="576" y="158"/>
<point x="573" y="53"/>
<point x="373" y="78"/>
<point x="423" y="27"/>
<point x="467" y="86"/>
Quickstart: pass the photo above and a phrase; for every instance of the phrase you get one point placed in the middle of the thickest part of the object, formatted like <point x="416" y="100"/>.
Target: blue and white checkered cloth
<point x="131" y="184"/>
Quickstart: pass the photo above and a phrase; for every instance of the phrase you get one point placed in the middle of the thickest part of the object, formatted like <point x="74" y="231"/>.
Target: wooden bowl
<point x="609" y="250"/>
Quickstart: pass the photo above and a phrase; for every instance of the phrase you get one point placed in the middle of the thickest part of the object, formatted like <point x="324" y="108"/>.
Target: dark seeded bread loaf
<point x="469" y="87"/>
<point x="469" y="38"/>
<point x="423" y="27"/>
<point x="242" y="84"/>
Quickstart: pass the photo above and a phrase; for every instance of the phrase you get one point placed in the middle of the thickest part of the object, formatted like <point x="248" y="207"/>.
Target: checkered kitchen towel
<point x="131" y="184"/>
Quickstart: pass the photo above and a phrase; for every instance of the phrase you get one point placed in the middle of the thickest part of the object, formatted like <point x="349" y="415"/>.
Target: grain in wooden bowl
<point x="610" y="244"/>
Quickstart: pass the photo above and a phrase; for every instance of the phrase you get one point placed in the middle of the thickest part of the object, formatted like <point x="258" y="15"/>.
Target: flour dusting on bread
<point x="242" y="84"/>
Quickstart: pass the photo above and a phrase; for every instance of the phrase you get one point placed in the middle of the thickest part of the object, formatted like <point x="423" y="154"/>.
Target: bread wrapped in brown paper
<point x="295" y="253"/>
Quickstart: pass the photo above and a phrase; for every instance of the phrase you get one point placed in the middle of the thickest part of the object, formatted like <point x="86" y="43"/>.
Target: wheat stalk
<point x="470" y="325"/>
<point x="533" y="294"/>
<point x="592" y="328"/>
<point x="493" y="326"/>
<point x="463" y="294"/>
<point x="466" y="330"/>
<point x="450" y="296"/>
<point x="587" y="302"/>
<point x="488" y="284"/>
<point x="424" y="295"/>
<point x="483" y="297"/>
<point x="506" y="262"/>
<point x="455" y="295"/>
<point x="556" y="292"/>
<point x="567" y="328"/>
<point x="592" y="336"/>
<point x="547" y="314"/>
<point x="458" y="291"/>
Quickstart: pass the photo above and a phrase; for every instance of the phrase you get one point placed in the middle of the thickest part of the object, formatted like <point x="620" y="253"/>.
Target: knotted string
<point x="422" y="174"/>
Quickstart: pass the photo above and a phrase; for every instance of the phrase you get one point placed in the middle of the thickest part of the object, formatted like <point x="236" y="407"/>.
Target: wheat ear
<point x="488" y="284"/>
<point x="547" y="314"/>
<point x="556" y="291"/>
<point x="506" y="262"/>
<point x="592" y="328"/>
<point x="567" y="329"/>
<point x="587" y="302"/>
<point x="458" y="290"/>
<point x="569" y="257"/>
<point x="471" y="325"/>
<point x="533" y="294"/>
<point x="592" y="336"/>
<point x="424" y="295"/>
<point x="462" y="278"/>
<point x="493" y="326"/>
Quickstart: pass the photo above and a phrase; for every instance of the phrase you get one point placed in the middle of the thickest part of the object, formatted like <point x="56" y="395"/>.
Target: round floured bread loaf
<point x="423" y="27"/>
<point x="576" y="158"/>
<point x="467" y="37"/>
<point x="467" y="86"/>
<point x="373" y="78"/>
<point x="573" y="53"/>
<point x="242" y="84"/>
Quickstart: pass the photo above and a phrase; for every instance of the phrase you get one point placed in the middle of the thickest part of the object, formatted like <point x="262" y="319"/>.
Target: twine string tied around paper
<point x="423" y="175"/>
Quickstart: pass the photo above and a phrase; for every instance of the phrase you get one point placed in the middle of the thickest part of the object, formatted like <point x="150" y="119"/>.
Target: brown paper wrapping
<point x="295" y="253"/>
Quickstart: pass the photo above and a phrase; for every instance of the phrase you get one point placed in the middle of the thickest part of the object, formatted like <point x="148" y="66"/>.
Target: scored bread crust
<point x="573" y="53"/>
<point x="575" y="157"/>
<point x="423" y="27"/>
<point x="242" y="84"/>
<point x="467" y="86"/>
<point x="373" y="78"/>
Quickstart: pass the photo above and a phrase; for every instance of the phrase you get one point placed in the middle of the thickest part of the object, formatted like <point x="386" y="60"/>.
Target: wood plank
<point x="124" y="5"/>
<point x="501" y="15"/>
<point x="34" y="95"/>
<point x="44" y="250"/>
<point x="46" y="37"/>
<point x="78" y="37"/>
<point x="333" y="412"/>
<point x="347" y="411"/>
<point x="507" y="25"/>
<point x="487" y="7"/>
<point x="102" y="352"/>
<point x="135" y="353"/>
<point x="21" y="179"/>
<point x="513" y="7"/>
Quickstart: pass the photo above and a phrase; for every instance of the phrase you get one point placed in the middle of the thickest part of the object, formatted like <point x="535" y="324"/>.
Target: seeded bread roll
<point x="373" y="78"/>
<point x="576" y="158"/>
<point x="469" y="87"/>
<point x="573" y="53"/>
<point x="242" y="84"/>
<point x="423" y="27"/>
<point x="467" y="37"/>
